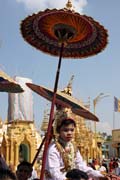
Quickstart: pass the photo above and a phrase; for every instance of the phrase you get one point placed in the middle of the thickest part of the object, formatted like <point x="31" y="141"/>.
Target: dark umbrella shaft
<point x="48" y="135"/>
<point x="40" y="147"/>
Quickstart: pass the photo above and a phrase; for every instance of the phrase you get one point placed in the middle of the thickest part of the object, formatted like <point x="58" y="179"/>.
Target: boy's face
<point x="67" y="132"/>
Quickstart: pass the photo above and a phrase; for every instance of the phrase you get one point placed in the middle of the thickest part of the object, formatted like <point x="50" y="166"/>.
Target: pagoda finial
<point x="69" y="5"/>
<point x="70" y="82"/>
<point x="68" y="89"/>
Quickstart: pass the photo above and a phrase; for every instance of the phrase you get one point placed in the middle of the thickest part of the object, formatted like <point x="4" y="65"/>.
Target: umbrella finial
<point x="69" y="5"/>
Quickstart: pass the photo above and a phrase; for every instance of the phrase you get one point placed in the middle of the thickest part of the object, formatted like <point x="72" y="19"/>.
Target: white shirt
<point x="54" y="164"/>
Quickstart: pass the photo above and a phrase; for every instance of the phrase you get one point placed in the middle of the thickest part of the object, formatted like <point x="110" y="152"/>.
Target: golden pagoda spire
<point x="68" y="89"/>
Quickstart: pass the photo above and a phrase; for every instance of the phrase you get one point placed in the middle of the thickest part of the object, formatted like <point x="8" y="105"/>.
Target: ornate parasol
<point x="7" y="84"/>
<point x="66" y="34"/>
<point x="64" y="100"/>
<point x="81" y="35"/>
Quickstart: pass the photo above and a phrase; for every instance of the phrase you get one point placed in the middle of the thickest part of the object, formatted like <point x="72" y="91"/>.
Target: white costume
<point x="57" y="164"/>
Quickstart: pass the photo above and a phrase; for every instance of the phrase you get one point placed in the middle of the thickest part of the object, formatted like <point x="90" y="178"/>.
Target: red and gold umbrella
<point x="82" y="35"/>
<point x="7" y="84"/>
<point x="64" y="33"/>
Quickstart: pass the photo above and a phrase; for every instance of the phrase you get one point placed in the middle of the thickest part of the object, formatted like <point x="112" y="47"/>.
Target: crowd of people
<point x="24" y="171"/>
<point x="63" y="160"/>
<point x="106" y="165"/>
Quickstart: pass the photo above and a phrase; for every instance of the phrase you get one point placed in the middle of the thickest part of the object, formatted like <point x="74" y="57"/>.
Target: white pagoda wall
<point x="20" y="105"/>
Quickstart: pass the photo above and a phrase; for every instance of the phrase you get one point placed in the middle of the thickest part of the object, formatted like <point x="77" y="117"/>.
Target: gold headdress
<point x="62" y="114"/>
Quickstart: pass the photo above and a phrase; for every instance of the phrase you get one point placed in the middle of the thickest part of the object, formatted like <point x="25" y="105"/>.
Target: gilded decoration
<point x="20" y="142"/>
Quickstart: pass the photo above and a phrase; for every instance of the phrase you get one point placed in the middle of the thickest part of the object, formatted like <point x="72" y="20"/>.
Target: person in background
<point x="90" y="160"/>
<point x="91" y="165"/>
<point x="6" y="174"/>
<point x="63" y="154"/>
<point x="24" y="170"/>
<point x="11" y="167"/>
<point x="111" y="168"/>
<point x="76" y="174"/>
<point x="96" y="164"/>
<point x="116" y="167"/>
<point x="3" y="163"/>
<point x="103" y="168"/>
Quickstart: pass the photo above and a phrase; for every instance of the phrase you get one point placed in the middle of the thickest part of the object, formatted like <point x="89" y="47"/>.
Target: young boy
<point x="63" y="155"/>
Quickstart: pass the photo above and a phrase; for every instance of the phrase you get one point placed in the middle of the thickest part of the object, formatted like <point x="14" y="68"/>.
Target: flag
<point x="116" y="105"/>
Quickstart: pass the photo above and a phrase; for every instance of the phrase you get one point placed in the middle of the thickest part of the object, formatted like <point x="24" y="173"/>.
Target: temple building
<point x="20" y="139"/>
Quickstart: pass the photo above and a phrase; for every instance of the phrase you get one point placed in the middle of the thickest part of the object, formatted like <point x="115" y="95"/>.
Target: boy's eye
<point x="66" y="130"/>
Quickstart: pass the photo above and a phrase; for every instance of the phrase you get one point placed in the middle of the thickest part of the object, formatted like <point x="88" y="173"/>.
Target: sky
<point x="92" y="75"/>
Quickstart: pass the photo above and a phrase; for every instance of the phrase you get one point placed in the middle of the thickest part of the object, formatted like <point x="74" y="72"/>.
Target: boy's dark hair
<point x="65" y="122"/>
<point x="7" y="174"/>
<point x="76" y="174"/>
<point x="25" y="163"/>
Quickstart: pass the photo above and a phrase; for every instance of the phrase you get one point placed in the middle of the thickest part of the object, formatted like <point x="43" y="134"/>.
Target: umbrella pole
<point x="48" y="135"/>
<point x="40" y="147"/>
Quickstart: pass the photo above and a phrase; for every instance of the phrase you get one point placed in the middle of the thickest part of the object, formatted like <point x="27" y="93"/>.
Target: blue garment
<point x="3" y="163"/>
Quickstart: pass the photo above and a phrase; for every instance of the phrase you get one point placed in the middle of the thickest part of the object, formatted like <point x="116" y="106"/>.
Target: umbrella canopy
<point x="83" y="36"/>
<point x="64" y="100"/>
<point x="7" y="84"/>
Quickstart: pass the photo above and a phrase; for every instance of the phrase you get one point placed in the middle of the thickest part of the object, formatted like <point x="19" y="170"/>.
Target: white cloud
<point x="38" y="5"/>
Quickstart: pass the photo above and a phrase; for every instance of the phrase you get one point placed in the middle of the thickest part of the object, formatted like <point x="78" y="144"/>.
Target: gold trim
<point x="67" y="159"/>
